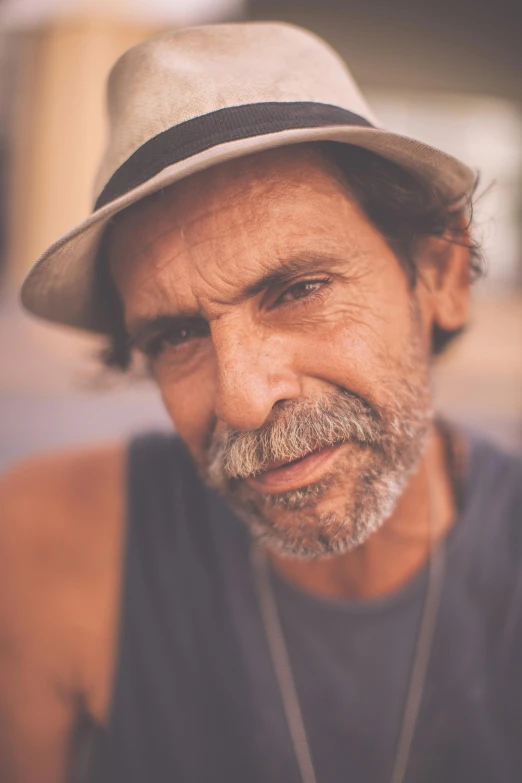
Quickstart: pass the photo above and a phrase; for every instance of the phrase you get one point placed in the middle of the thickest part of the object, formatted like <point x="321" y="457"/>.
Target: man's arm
<point x="60" y="530"/>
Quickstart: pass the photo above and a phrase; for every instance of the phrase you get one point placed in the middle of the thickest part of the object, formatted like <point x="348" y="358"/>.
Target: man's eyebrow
<point x="284" y="271"/>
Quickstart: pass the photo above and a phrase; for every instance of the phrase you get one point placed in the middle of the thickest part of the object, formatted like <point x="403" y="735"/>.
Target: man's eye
<point x="302" y="290"/>
<point x="179" y="336"/>
<point x="174" y="337"/>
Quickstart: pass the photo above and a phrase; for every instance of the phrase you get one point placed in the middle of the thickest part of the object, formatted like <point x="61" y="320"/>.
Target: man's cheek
<point x="192" y="419"/>
<point x="347" y="357"/>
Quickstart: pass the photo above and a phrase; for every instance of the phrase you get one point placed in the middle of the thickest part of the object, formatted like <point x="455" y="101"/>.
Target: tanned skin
<point x="192" y="251"/>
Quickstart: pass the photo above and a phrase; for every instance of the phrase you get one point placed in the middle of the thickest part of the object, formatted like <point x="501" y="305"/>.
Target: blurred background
<point x="448" y="72"/>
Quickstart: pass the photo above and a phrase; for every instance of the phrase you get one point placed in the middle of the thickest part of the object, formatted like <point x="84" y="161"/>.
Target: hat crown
<point x="183" y="74"/>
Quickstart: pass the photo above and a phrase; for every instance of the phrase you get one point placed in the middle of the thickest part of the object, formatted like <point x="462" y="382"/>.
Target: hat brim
<point x="61" y="286"/>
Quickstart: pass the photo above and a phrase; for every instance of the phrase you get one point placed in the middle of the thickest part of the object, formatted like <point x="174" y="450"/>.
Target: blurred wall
<point x="459" y="46"/>
<point x="58" y="128"/>
<point x="64" y="51"/>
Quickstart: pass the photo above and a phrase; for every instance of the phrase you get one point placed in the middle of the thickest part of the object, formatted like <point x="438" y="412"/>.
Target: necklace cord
<point x="437" y="569"/>
<point x="282" y="666"/>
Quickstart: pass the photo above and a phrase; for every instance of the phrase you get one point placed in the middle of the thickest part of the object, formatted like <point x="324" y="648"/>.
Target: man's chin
<point x="307" y="534"/>
<point x="328" y="503"/>
<point x="310" y="522"/>
<point x="322" y="519"/>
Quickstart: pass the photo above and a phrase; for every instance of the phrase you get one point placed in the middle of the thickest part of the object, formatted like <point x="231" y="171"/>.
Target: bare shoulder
<point x="61" y="524"/>
<point x="61" y="530"/>
<point x="57" y="509"/>
<point x="55" y="484"/>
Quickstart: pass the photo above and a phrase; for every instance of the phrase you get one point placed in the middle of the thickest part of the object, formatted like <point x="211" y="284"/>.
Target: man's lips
<point x="280" y="476"/>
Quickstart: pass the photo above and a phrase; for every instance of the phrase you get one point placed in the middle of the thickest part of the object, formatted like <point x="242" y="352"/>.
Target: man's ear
<point x="445" y="276"/>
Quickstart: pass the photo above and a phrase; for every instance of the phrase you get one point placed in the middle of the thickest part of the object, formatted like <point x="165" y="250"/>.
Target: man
<point x="318" y="581"/>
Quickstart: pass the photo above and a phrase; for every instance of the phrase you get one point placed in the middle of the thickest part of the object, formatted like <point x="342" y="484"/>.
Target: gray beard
<point x="386" y="447"/>
<point x="308" y="533"/>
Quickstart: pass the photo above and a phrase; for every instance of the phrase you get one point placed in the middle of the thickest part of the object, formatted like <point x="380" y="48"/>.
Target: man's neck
<point x="398" y="550"/>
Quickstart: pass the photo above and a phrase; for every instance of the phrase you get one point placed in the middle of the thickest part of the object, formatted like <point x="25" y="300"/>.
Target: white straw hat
<point x="189" y="99"/>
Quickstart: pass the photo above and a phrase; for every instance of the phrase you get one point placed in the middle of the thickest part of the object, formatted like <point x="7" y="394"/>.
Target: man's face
<point x="288" y="346"/>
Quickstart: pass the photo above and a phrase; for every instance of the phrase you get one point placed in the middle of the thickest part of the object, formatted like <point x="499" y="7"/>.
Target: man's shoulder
<point x="61" y="518"/>
<point x="495" y="473"/>
<point x="493" y="494"/>
<point x="57" y="491"/>
<point x="490" y="536"/>
<point x="497" y="544"/>
<point x="63" y="466"/>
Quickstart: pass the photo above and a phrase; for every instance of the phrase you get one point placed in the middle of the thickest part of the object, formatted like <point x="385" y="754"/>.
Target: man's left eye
<point x="302" y="290"/>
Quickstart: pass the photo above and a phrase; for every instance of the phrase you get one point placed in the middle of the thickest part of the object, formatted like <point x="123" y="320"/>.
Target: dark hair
<point x="404" y="208"/>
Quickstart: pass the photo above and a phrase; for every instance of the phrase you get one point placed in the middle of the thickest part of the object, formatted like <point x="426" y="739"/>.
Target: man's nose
<point x="254" y="373"/>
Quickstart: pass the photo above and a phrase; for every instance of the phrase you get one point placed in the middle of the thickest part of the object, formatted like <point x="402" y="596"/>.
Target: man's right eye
<point x="174" y="337"/>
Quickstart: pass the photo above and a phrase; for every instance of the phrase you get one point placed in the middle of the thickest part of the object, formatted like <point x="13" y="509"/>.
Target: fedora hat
<point x="190" y="99"/>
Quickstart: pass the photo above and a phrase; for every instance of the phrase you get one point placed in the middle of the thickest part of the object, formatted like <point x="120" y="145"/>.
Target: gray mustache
<point x="298" y="429"/>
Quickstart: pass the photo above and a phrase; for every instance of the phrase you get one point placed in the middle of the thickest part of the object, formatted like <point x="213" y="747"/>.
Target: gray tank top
<point x="195" y="698"/>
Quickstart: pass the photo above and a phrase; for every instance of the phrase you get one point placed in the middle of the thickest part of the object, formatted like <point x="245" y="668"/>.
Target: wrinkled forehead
<point x="219" y="225"/>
